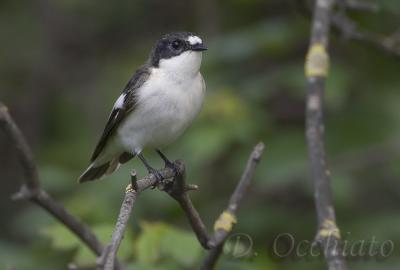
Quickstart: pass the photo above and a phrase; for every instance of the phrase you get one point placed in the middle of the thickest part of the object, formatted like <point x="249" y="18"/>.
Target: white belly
<point x="166" y="106"/>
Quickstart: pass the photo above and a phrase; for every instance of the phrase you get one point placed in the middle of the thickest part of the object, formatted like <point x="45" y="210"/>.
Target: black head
<point x="174" y="44"/>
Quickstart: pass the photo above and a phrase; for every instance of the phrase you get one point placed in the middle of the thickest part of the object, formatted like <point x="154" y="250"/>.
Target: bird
<point x="158" y="103"/>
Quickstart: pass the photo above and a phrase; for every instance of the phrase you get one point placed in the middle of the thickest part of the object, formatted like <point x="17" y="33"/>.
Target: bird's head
<point x="178" y="52"/>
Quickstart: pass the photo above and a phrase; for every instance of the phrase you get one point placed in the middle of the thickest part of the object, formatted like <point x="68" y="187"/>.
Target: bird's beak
<point x="199" y="47"/>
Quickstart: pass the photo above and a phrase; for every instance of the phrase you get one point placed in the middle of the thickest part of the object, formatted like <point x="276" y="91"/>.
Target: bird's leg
<point x="168" y="163"/>
<point x="151" y="169"/>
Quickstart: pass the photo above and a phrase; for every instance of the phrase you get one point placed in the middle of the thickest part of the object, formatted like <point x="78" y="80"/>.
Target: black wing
<point x="119" y="113"/>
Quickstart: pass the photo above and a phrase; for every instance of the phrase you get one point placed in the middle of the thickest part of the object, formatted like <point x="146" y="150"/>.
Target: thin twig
<point x="32" y="190"/>
<point x="178" y="191"/>
<point x="349" y="29"/>
<point x="25" y="155"/>
<point x="316" y="71"/>
<point x="71" y="222"/>
<point x="108" y="257"/>
<point x="388" y="43"/>
<point x="361" y="5"/>
<point x="222" y="232"/>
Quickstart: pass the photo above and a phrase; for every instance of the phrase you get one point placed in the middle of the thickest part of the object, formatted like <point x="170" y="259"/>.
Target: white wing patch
<point x="120" y="102"/>
<point x="193" y="40"/>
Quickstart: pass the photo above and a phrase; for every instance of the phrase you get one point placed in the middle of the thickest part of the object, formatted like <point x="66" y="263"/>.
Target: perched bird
<point x="159" y="102"/>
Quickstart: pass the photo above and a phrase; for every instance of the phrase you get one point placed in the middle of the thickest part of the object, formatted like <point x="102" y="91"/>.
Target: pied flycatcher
<point x="159" y="102"/>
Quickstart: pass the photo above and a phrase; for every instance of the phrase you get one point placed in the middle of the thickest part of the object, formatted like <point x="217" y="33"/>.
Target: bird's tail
<point x="95" y="171"/>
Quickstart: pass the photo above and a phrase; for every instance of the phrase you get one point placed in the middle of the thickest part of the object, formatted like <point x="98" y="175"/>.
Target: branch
<point x="223" y="226"/>
<point x="107" y="258"/>
<point x="109" y="254"/>
<point x="316" y="70"/>
<point x="348" y="28"/>
<point x="32" y="190"/>
<point x="25" y="155"/>
<point x="177" y="189"/>
<point x="360" y="5"/>
<point x="389" y="43"/>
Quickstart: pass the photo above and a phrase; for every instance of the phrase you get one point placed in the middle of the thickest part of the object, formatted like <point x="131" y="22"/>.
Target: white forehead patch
<point x="193" y="40"/>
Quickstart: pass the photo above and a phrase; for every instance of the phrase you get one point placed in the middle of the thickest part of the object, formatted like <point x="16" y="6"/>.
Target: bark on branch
<point x="349" y="30"/>
<point x="32" y="190"/>
<point x="178" y="189"/>
<point x="222" y="231"/>
<point x="106" y="260"/>
<point x="316" y="69"/>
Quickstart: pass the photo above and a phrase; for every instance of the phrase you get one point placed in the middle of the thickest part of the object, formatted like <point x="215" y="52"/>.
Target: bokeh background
<point x="64" y="62"/>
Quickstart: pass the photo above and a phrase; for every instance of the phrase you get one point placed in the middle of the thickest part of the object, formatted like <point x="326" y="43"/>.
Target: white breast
<point x="167" y="103"/>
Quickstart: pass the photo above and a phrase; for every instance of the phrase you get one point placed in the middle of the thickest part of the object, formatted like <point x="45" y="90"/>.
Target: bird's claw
<point x="168" y="163"/>
<point x="173" y="166"/>
<point x="159" y="179"/>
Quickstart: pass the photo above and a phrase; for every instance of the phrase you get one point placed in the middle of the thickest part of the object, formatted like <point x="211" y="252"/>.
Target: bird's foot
<point x="151" y="170"/>
<point x="168" y="163"/>
<point x="173" y="166"/>
<point x="159" y="178"/>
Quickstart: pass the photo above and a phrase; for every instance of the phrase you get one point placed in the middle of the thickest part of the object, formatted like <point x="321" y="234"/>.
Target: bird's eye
<point x="176" y="44"/>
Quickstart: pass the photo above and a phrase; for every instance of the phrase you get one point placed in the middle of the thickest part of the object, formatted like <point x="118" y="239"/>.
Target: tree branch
<point x="108" y="256"/>
<point x="223" y="226"/>
<point x="350" y="31"/>
<point x="25" y="155"/>
<point x="360" y="5"/>
<point x="389" y="43"/>
<point x="316" y="70"/>
<point x="177" y="188"/>
<point x="32" y="190"/>
<point x="106" y="261"/>
<point x="178" y="191"/>
<point x="348" y="28"/>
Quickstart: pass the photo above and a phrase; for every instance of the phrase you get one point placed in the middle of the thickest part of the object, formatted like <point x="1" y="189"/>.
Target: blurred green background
<point x="64" y="62"/>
